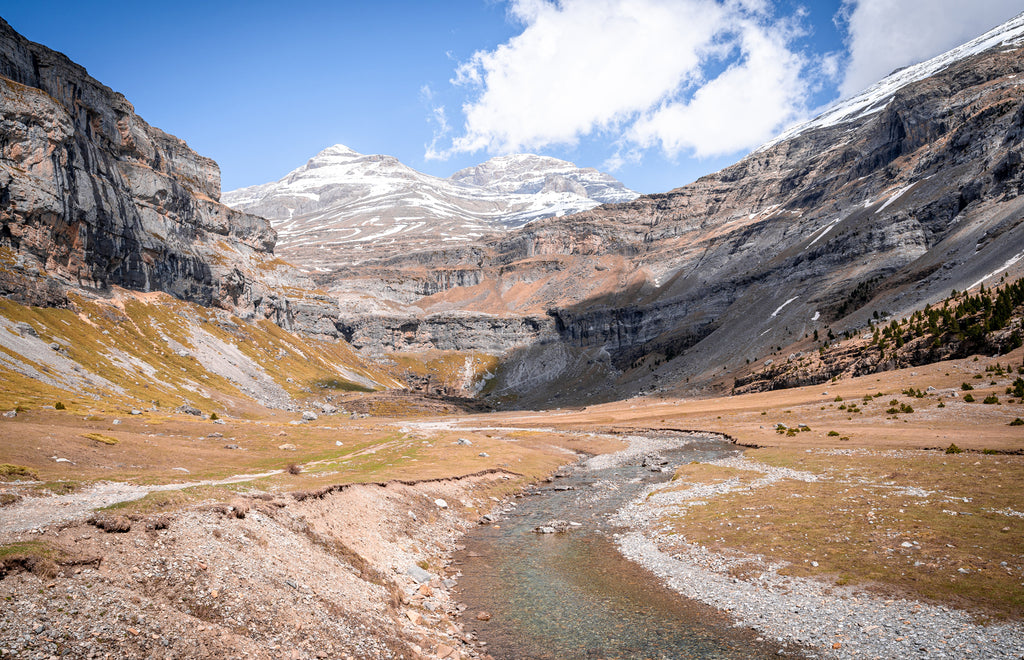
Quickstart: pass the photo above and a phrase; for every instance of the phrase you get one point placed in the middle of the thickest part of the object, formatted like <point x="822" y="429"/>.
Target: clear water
<point x="572" y="595"/>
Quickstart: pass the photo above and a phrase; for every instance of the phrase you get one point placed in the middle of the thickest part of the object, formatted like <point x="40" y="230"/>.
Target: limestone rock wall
<point x="92" y="196"/>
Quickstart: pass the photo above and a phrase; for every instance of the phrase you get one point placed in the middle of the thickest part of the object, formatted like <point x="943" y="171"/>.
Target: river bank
<point x="828" y="620"/>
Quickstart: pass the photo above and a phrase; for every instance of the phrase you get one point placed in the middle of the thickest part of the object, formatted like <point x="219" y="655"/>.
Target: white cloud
<point x="708" y="76"/>
<point x="885" y="35"/>
<point x="740" y="108"/>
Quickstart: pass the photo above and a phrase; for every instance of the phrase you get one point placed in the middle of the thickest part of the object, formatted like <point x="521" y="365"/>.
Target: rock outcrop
<point x="92" y="196"/>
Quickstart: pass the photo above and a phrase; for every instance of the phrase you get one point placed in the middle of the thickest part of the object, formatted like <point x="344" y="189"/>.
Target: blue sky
<point x="659" y="91"/>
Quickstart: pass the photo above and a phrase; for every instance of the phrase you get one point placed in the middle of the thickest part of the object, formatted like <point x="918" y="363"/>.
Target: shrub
<point x="838" y="398"/>
<point x="941" y="405"/>
<point x="991" y="399"/>
<point x="1017" y="422"/>
<point x="968" y="398"/>
<point x="832" y="434"/>
<point x="953" y="449"/>
<point x="966" y="386"/>
<point x="214" y="417"/>
<point x="906" y="408"/>
<point x="59" y="406"/>
<point x="294" y="468"/>
<point x="892" y="411"/>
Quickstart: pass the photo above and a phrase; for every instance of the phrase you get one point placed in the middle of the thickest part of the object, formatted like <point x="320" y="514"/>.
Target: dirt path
<point x="38" y="513"/>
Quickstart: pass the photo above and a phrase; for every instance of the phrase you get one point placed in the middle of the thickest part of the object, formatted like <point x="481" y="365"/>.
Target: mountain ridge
<point x="341" y="204"/>
<point x="885" y="211"/>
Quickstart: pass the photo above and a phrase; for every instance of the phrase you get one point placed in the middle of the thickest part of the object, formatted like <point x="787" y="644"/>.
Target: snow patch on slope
<point x="877" y="96"/>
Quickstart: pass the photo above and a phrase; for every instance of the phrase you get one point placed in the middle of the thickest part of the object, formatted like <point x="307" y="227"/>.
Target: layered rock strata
<point x="92" y="196"/>
<point x="885" y="203"/>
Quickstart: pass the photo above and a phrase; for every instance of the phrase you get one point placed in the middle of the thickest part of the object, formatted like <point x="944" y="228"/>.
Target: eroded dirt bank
<point x="353" y="572"/>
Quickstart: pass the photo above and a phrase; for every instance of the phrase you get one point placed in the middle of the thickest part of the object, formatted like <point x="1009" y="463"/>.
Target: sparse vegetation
<point x="99" y="437"/>
<point x="10" y="472"/>
<point x="341" y="385"/>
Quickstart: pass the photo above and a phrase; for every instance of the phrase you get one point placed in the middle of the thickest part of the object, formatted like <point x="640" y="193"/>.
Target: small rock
<point x="136" y="411"/>
<point x="483" y="616"/>
<point x="418" y="574"/>
<point x="287" y="447"/>
<point x="906" y="544"/>
<point x="230" y="446"/>
<point x="54" y="346"/>
<point x="189" y="410"/>
<point x="26" y="329"/>
<point x="11" y="414"/>
<point x="116" y="421"/>
<point x="463" y="441"/>
<point x="215" y="434"/>
<point x="441" y="504"/>
<point x="117" y="524"/>
<point x="182" y="353"/>
<point x="328" y="409"/>
<point x="484" y="454"/>
<point x="445" y="651"/>
<point x="309" y="416"/>
<point x="963" y="571"/>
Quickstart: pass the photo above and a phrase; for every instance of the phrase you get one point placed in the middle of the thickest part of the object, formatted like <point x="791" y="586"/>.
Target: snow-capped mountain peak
<point x="530" y="173"/>
<point x="342" y="204"/>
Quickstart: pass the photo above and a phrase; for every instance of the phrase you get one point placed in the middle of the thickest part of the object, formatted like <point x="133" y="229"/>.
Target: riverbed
<point x="571" y="594"/>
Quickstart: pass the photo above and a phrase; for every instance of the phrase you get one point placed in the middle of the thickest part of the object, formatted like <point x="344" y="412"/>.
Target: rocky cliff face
<point x="92" y="196"/>
<point x="885" y="203"/>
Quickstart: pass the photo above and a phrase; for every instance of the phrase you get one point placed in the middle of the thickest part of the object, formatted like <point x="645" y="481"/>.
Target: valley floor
<point x="855" y="534"/>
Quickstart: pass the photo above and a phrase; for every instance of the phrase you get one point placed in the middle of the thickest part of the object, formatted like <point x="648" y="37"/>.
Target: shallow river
<point x="572" y="595"/>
